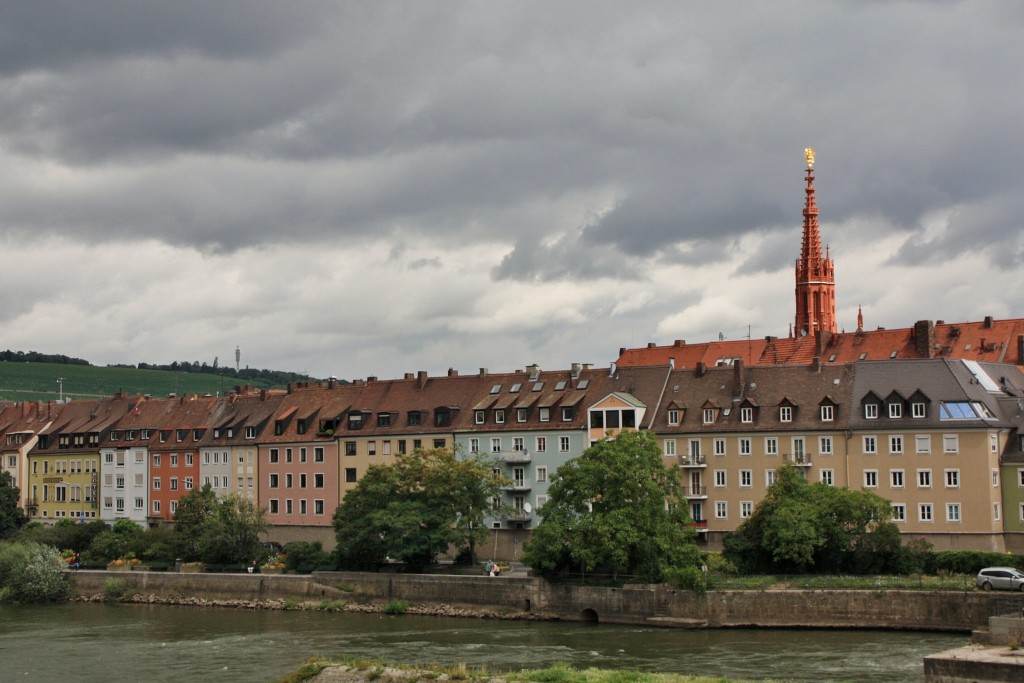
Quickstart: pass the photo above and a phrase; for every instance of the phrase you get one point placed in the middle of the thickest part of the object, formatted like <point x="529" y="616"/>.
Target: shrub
<point x="116" y="590"/>
<point x="31" y="573"/>
<point x="395" y="607"/>
<point x="687" y="578"/>
<point x="303" y="557"/>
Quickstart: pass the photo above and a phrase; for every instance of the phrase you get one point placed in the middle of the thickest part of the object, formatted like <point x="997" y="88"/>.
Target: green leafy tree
<point x="194" y="509"/>
<point x="414" y="509"/>
<point x="614" y="509"/>
<point x="31" y="572"/>
<point x="10" y="513"/>
<point x="232" y="534"/>
<point x="800" y="527"/>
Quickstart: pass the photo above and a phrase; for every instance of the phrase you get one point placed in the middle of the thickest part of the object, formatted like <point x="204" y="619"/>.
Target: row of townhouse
<point x="941" y="439"/>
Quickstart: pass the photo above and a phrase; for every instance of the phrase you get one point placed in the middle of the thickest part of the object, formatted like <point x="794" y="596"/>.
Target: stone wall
<point x="642" y="604"/>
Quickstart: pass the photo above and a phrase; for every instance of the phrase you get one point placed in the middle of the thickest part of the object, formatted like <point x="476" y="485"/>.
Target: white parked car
<point x="1004" y="578"/>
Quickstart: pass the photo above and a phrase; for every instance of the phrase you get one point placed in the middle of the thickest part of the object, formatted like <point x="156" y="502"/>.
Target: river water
<point x="89" y="642"/>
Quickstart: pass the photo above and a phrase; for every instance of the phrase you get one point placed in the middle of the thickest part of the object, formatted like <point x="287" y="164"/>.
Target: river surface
<point x="108" y="643"/>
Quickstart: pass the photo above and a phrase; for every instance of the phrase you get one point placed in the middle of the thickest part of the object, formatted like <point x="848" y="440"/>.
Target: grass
<point x="558" y="673"/>
<point x="38" y="382"/>
<point x="116" y="590"/>
<point x="949" y="582"/>
<point x="395" y="607"/>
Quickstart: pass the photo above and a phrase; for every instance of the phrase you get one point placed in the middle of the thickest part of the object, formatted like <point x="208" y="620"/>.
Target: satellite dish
<point x="527" y="507"/>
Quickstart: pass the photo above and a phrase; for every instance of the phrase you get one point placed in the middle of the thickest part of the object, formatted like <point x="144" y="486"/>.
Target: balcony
<point x="799" y="459"/>
<point x="692" y="461"/>
<point x="517" y="516"/>
<point x="699" y="525"/>
<point x="517" y="486"/>
<point x="513" y="457"/>
<point x="695" y="491"/>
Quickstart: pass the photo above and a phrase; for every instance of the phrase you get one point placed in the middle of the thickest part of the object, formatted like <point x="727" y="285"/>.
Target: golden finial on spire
<point x="809" y="156"/>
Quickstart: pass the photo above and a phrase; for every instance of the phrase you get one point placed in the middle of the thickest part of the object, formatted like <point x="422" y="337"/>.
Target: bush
<point x="972" y="561"/>
<point x="116" y="590"/>
<point x="31" y="573"/>
<point x="396" y="607"/>
<point x="303" y="557"/>
<point x="687" y="578"/>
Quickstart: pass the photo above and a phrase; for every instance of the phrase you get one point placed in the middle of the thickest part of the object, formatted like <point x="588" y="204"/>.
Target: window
<point x="924" y="512"/>
<point x="950" y="443"/>
<point x="302" y="455"/>
<point x="746" y="508"/>
<point x="318" y="454"/>
<point x="287" y="455"/>
<point x="709" y="415"/>
<point x="899" y="512"/>
<point x="174" y="507"/>
<point x="896" y="479"/>
<point x="870" y="479"/>
<point x="250" y="432"/>
<point x="744" y="443"/>
<point x="274" y="455"/>
<point x="924" y="479"/>
<point x="274" y="506"/>
<point x="673" y="417"/>
<point x="174" y="483"/>
<point x="414" y="418"/>
<point x="522" y="414"/>
<point x="496" y="444"/>
<point x="798" y="448"/>
<point x="923" y="443"/>
<point x="288" y="506"/>
<point x="995" y="512"/>
<point x="827" y="477"/>
<point x="895" y="443"/>
<point x="120" y="504"/>
<point x="350" y="474"/>
<point x="287" y="480"/>
<point x="350" y="448"/>
<point x="318" y="507"/>
<point x="383" y="419"/>
<point x="545" y="414"/>
<point x="746" y="415"/>
<point x="895" y="410"/>
<point x="825" y="445"/>
<point x="156" y="483"/>
<point x="917" y="410"/>
<point x="139" y="504"/>
<point x="563" y="444"/>
<point x="541" y="475"/>
<point x="952" y="512"/>
<point x="871" y="411"/>
<point x="542" y="444"/>
<point x="371" y="448"/>
<point x="474" y="445"/>
<point x="771" y="445"/>
<point x="785" y="413"/>
<point x="769" y="477"/>
<point x="995" y="477"/>
<point x="827" y="413"/>
<point x="720" y="478"/>
<point x="721" y="509"/>
<point x="952" y="479"/>
<point x="188" y="483"/>
<point x="670" y="447"/>
<point x="746" y="479"/>
<point x="499" y="417"/>
<point x="566" y="413"/>
<point x="695" y="449"/>
<point x="273" y="481"/>
<point x="120" y="481"/>
<point x="870" y="445"/>
<point x="719" y="446"/>
<point x="318" y="480"/>
<point x="156" y="507"/>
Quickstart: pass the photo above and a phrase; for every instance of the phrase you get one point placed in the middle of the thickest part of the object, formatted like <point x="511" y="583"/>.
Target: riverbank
<point x="533" y="598"/>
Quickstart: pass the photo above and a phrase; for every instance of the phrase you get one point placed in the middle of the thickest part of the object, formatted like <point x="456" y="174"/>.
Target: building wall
<point x="64" y="486"/>
<point x="298" y="482"/>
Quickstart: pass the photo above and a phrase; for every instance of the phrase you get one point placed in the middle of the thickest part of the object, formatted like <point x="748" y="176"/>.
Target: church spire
<point x="815" y="276"/>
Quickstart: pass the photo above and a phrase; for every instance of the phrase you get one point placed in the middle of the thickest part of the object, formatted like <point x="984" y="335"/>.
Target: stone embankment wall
<point x="651" y="605"/>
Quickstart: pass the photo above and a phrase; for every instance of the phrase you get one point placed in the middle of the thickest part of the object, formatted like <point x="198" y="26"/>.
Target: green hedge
<point x="971" y="561"/>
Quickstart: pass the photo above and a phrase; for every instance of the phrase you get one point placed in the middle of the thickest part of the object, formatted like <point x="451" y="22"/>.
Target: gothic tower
<point x="815" y="275"/>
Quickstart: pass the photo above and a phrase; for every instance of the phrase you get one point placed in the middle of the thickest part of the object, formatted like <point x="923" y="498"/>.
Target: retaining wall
<point x="644" y="604"/>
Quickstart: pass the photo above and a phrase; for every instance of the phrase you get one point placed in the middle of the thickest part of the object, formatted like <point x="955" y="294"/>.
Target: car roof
<point x="1003" y="569"/>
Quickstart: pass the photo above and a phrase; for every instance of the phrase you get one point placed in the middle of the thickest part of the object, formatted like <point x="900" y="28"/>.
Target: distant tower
<point x="815" y="275"/>
<point x="238" y="358"/>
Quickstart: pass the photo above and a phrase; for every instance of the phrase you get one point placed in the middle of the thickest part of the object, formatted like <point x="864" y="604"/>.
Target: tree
<point x="414" y="509"/>
<point x="31" y="572"/>
<point x="10" y="513"/>
<point x="800" y="527"/>
<point x="232" y="534"/>
<point x="616" y="508"/>
<point x="193" y="510"/>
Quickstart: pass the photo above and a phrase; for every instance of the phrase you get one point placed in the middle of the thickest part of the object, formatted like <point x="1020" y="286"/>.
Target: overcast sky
<point x="373" y="188"/>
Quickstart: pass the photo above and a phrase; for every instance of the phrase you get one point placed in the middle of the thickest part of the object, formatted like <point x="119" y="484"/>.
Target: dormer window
<point x="197" y="434"/>
<point x="415" y="418"/>
<point x="827" y="412"/>
<point x="179" y="435"/>
<point x="499" y="417"/>
<point x="566" y="413"/>
<point x="443" y="417"/>
<point x="164" y="435"/>
<point x="709" y="416"/>
<point x="383" y="419"/>
<point x="216" y="432"/>
<point x="871" y="411"/>
<point x="673" y="417"/>
<point x="115" y="436"/>
<point x="231" y="432"/>
<point x="522" y="414"/>
<point x="895" y="410"/>
<point x="545" y="414"/>
<point x="479" y="416"/>
<point x="145" y="435"/>
<point x="250" y="433"/>
<point x="746" y="415"/>
<point x="917" y="410"/>
<point x="355" y="420"/>
<point x="785" y="413"/>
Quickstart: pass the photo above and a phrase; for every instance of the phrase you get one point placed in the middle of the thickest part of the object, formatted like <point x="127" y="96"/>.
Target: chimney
<point x="988" y="322"/>
<point x="483" y="372"/>
<point x="263" y="395"/>
<point x="679" y="343"/>
<point x="924" y="338"/>
<point x="372" y="378"/>
<point x="290" y="387"/>
<point x="822" y="338"/>
<point x="816" y="364"/>
<point x="421" y="379"/>
<point x="622" y="350"/>
<point x="534" y="371"/>
<point x="452" y="372"/>
<point x="409" y="375"/>
<point x="738" y="376"/>
<point x="330" y="383"/>
<point x="702" y="369"/>
<point x="650" y="345"/>
<point x="575" y="373"/>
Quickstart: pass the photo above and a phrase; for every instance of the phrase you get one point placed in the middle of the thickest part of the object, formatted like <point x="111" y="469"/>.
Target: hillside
<point x="38" y="381"/>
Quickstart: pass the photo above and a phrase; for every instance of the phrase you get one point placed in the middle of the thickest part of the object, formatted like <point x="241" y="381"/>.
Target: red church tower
<point x="815" y="275"/>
